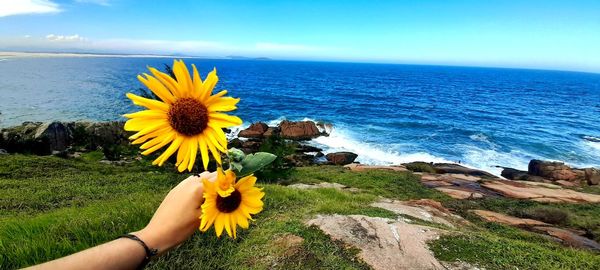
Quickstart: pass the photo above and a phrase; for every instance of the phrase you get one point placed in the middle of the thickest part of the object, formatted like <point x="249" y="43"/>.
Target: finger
<point x="197" y="194"/>
<point x="204" y="174"/>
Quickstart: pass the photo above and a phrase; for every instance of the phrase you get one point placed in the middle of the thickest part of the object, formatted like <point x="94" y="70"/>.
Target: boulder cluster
<point x="59" y="137"/>
<point x="554" y="172"/>
<point x="292" y="136"/>
<point x="288" y="139"/>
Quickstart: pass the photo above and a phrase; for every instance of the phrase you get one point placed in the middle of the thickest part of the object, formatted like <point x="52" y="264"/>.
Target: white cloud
<point x="77" y="43"/>
<point x="60" y="38"/>
<point x="19" y="7"/>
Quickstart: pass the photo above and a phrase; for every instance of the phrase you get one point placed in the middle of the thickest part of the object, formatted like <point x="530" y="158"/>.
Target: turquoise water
<point x="482" y="117"/>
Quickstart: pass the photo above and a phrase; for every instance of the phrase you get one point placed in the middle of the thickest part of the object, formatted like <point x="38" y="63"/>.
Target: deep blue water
<point x="385" y="113"/>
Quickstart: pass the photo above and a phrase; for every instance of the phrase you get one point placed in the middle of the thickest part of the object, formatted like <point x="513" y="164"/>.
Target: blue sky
<point x="531" y="34"/>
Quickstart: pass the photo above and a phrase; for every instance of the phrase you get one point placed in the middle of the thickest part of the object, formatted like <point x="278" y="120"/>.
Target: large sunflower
<point x="188" y="116"/>
<point x="228" y="203"/>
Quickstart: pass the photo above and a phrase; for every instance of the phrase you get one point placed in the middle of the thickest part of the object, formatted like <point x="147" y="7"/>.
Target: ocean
<point x="387" y="114"/>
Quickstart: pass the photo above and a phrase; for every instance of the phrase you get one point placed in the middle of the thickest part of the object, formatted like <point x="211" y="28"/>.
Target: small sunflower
<point x="188" y="116"/>
<point x="228" y="203"/>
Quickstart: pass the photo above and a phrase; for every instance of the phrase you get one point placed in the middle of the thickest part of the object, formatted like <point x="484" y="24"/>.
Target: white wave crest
<point x="375" y="154"/>
<point x="489" y="159"/>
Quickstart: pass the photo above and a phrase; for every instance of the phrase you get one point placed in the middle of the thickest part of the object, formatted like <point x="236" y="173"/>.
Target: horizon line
<point x="16" y="54"/>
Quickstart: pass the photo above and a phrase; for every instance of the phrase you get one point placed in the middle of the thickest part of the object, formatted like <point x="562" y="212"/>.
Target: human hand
<point x="178" y="215"/>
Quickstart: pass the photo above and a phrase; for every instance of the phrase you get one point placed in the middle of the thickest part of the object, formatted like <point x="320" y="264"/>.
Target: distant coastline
<point x="11" y="54"/>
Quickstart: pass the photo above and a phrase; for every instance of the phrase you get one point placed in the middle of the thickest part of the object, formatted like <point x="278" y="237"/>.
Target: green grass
<point x="584" y="217"/>
<point x="389" y="184"/>
<point x="51" y="207"/>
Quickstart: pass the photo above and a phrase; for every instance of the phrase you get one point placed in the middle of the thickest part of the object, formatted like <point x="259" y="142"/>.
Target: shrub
<point x="420" y="167"/>
<point x="546" y="214"/>
<point x="278" y="169"/>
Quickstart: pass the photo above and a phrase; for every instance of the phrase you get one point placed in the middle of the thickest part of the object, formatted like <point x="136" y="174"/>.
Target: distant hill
<point x="237" y="57"/>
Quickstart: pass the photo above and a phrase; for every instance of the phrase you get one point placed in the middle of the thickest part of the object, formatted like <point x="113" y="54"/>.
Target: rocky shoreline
<point x="70" y="138"/>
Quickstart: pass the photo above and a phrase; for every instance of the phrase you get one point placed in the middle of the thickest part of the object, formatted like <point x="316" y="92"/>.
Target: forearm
<point x="118" y="254"/>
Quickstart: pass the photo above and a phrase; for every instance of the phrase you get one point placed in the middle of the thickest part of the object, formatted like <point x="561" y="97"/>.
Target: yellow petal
<point x="254" y="203"/>
<point x="212" y="139"/>
<point x="138" y="124"/>
<point x="203" y="151"/>
<point x="151" y="135"/>
<point x="150" y="128"/>
<point x="242" y="221"/>
<point x="167" y="139"/>
<point x="215" y="97"/>
<point x="209" y="84"/>
<point x="148" y="103"/>
<point x="183" y="78"/>
<point x="232" y="220"/>
<point x="216" y="154"/>
<point x="228" y="224"/>
<point x="193" y="153"/>
<point x="182" y="151"/>
<point x="221" y="138"/>
<point x="148" y="114"/>
<point x="225" y="120"/>
<point x="219" y="224"/>
<point x="207" y="221"/>
<point x="166" y="80"/>
<point x="245" y="183"/>
<point x="224" y="104"/>
<point x="198" y="90"/>
<point x="157" y="88"/>
<point x="170" y="150"/>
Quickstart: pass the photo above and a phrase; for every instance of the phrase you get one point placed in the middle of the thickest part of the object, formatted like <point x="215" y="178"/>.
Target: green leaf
<point x="254" y="162"/>
<point x="236" y="167"/>
<point x="235" y="155"/>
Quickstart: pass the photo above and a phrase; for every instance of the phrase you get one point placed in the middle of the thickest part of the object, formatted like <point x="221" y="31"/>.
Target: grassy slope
<point x="50" y="207"/>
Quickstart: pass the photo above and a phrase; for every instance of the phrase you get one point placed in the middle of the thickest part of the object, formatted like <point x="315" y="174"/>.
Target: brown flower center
<point x="229" y="203"/>
<point x="188" y="116"/>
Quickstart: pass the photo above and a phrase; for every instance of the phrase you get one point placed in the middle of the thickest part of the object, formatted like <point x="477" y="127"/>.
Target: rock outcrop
<point x="341" y="158"/>
<point x="592" y="176"/>
<point x="507" y="220"/>
<point x="256" y="130"/>
<point x="521" y="190"/>
<point x="361" y="167"/>
<point x="552" y="170"/>
<point x="566" y="237"/>
<point x="424" y="209"/>
<point x="384" y="243"/>
<point x="301" y="130"/>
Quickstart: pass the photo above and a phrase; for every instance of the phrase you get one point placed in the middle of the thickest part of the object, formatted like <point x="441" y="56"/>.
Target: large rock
<point x="552" y="170"/>
<point x="101" y="134"/>
<point x="302" y="130"/>
<point x="341" y="158"/>
<point x="383" y="243"/>
<point x="521" y="190"/>
<point x="442" y="168"/>
<point x="255" y="130"/>
<point x="569" y="238"/>
<point x="563" y="236"/>
<point x="592" y="176"/>
<point x="36" y="138"/>
<point x="361" y="167"/>
<point x="506" y="219"/>
<point x="299" y="159"/>
<point x="271" y="131"/>
<point x="56" y="136"/>
<point x="514" y="174"/>
<point x="424" y="209"/>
